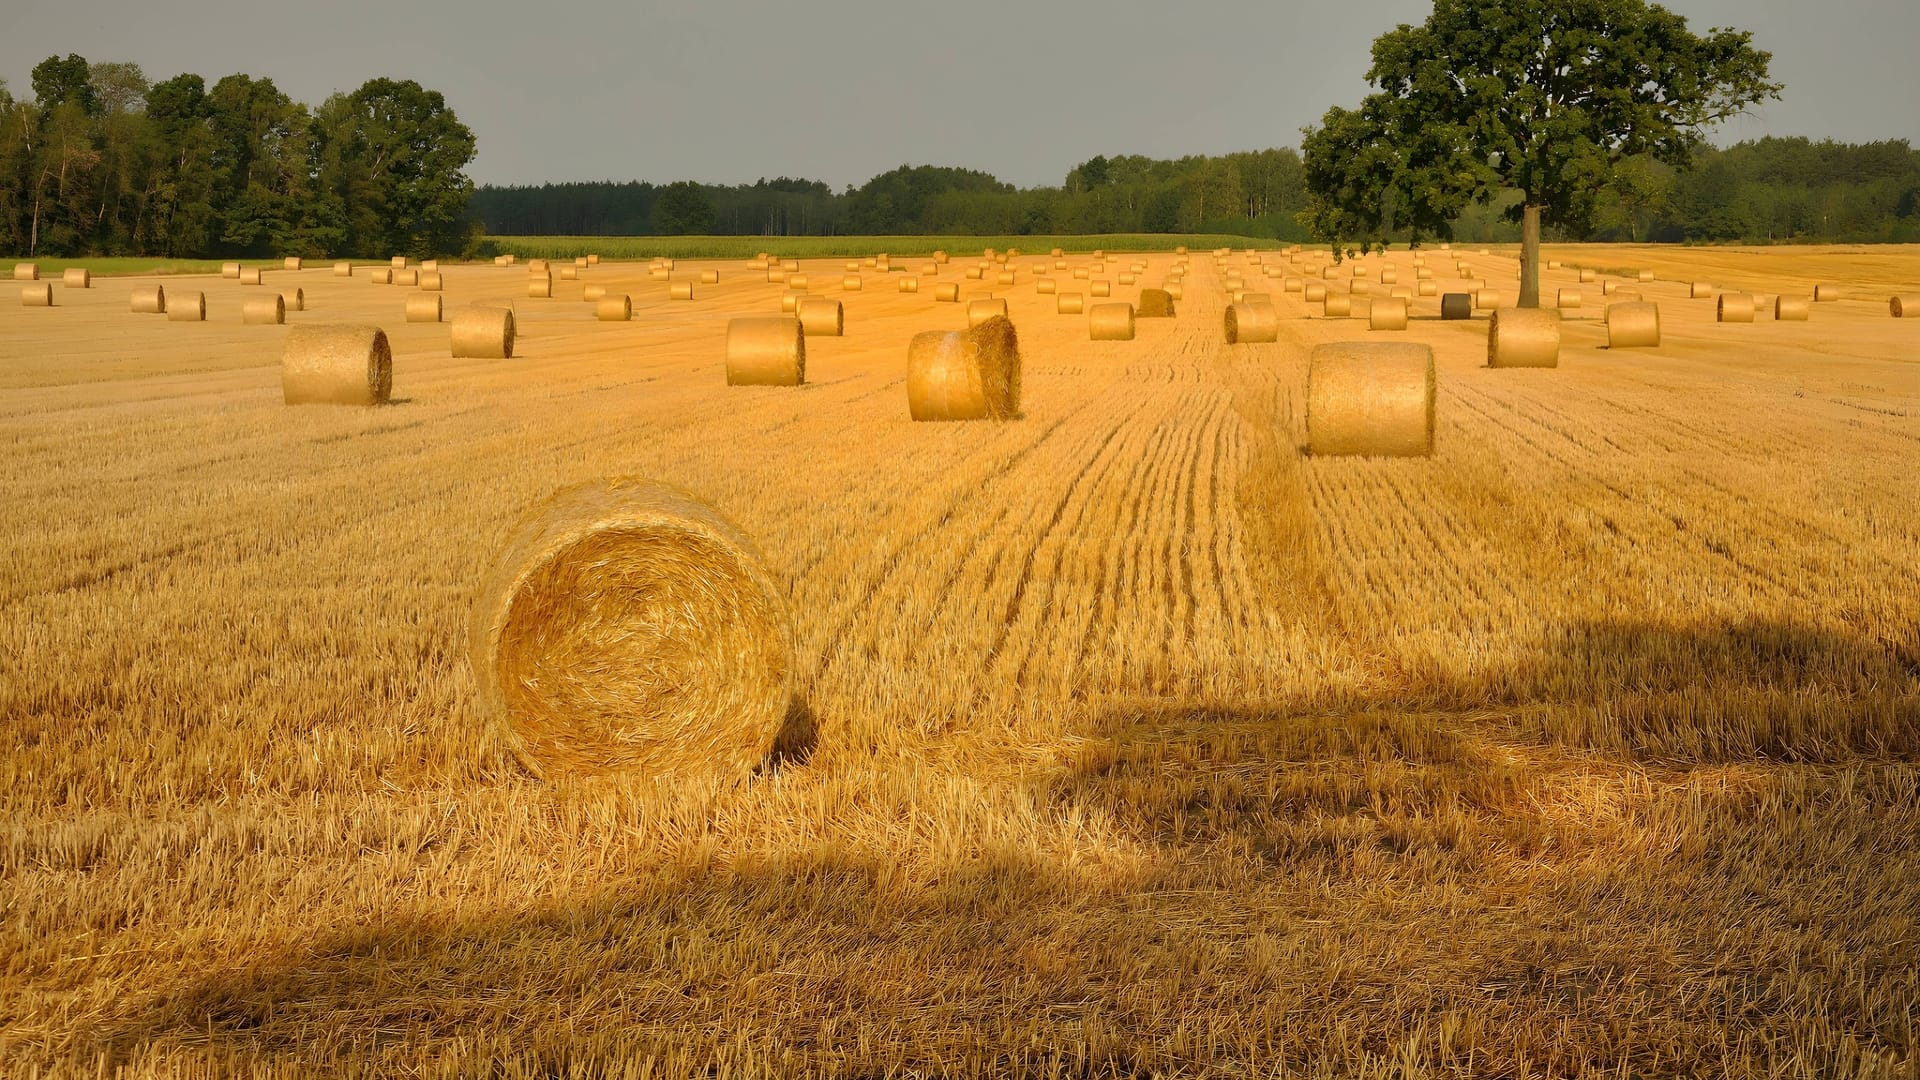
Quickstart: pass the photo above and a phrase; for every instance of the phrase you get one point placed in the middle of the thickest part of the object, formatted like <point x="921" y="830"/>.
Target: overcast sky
<point x="727" y="91"/>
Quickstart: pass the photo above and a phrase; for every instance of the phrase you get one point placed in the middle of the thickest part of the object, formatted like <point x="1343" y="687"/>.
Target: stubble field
<point x="1141" y="742"/>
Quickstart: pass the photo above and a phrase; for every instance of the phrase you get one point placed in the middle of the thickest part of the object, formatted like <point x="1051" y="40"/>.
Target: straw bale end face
<point x="1371" y="399"/>
<point x="1246" y="323"/>
<point x="1905" y="306"/>
<point x="626" y="626"/>
<point x="965" y="375"/>
<point x="336" y="365"/>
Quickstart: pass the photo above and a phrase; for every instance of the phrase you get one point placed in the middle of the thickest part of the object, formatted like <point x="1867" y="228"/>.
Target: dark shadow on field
<point x="799" y="734"/>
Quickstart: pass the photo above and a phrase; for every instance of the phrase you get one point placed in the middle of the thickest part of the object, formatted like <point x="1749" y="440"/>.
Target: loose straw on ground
<point x="336" y="365"/>
<point x="766" y="351"/>
<point x="1370" y="398"/>
<point x="965" y="375"/>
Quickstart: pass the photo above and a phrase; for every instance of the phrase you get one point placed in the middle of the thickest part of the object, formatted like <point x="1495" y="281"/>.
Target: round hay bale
<point x="1568" y="298"/>
<point x="483" y="333"/>
<point x="1081" y="273"/>
<point x="1389" y="276"/>
<point x="790" y="301"/>
<point x="1154" y="304"/>
<point x="380" y="275"/>
<point x="1587" y="276"/>
<point x="1422" y="274"/>
<point x="791" y="266"/>
<point x="1489" y="299"/>
<point x="593" y="293"/>
<point x="343" y="269"/>
<point x="76" y="278"/>
<point x="264" y="311"/>
<point x="409" y="278"/>
<point x="1128" y="279"/>
<point x="940" y="256"/>
<point x="38" y="294"/>
<point x="230" y="271"/>
<point x="336" y="365"/>
<point x="569" y="273"/>
<point x="1700" y="290"/>
<point x="1904" y="306"/>
<point x="150" y="300"/>
<point x="910" y="284"/>
<point x="429" y="265"/>
<point x="1099" y="289"/>
<point x="1387" y="313"/>
<point x="979" y="311"/>
<point x="929" y="269"/>
<point x="1110" y="322"/>
<point x="431" y="281"/>
<point x="1176" y="290"/>
<point x="1337" y="305"/>
<point x="1007" y="277"/>
<point x="974" y="273"/>
<point x="850" y="283"/>
<point x="965" y="375"/>
<point x="615" y="308"/>
<point x="187" y="307"/>
<point x="1823" y="294"/>
<point x="1792" y="309"/>
<point x="26" y="271"/>
<point x="1733" y="307"/>
<point x="1069" y="303"/>
<point x="821" y="317"/>
<point x="295" y="300"/>
<point x="1046" y="287"/>
<point x="1524" y="337"/>
<point x="1427" y="288"/>
<point x="1361" y="288"/>
<point x="1370" y="398"/>
<point x="1633" y="325"/>
<point x="797" y="281"/>
<point x="398" y="262"/>
<point x="1291" y="284"/>
<point x="946" y="293"/>
<point x="1553" y="264"/>
<point x="1315" y="293"/>
<point x="423" y="307"/>
<point x="250" y="275"/>
<point x="1328" y="273"/>
<point x="1245" y="324"/>
<point x="680" y="290"/>
<point x="766" y="351"/>
<point x="776" y="276"/>
<point x="540" y="286"/>
<point x="581" y="260"/>
<point x="709" y="277"/>
<point x="625" y="627"/>
<point x="291" y="262"/>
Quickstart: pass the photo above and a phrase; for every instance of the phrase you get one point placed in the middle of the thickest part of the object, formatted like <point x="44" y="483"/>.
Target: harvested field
<point x="1125" y="738"/>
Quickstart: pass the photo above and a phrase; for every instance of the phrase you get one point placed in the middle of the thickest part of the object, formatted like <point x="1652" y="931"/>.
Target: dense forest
<point x="102" y="161"/>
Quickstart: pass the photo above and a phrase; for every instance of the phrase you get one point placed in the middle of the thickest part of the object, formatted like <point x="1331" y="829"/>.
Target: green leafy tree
<point x="394" y="155"/>
<point x="683" y="209"/>
<point x="1546" y="97"/>
<point x="59" y="82"/>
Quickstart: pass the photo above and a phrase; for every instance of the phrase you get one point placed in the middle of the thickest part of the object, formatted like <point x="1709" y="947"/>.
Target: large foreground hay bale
<point x="626" y="626"/>
<point x="484" y="333"/>
<point x="979" y="311"/>
<point x="76" y="277"/>
<point x="1370" y="398"/>
<point x="821" y="317"/>
<point x="37" y="294"/>
<point x="26" y="271"/>
<point x="1069" y="303"/>
<point x="1246" y="324"/>
<point x="336" y="365"/>
<point x="1792" y="308"/>
<point x="1524" y="337"/>
<point x="1906" y="306"/>
<point x="1734" y="307"/>
<point x="766" y="350"/>
<point x="264" y="311"/>
<point x="424" y="307"/>
<point x="615" y="308"/>
<point x="150" y="300"/>
<point x="965" y="375"/>
<point x="1387" y="313"/>
<point x="187" y="307"/>
<point x="1633" y="325"/>
<point x="1154" y="304"/>
<point x="1110" y="322"/>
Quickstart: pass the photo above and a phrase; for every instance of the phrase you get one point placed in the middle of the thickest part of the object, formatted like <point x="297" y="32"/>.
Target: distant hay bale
<point x="1315" y="293"/>
<point x="187" y="307"/>
<point x="930" y="270"/>
<point x="1361" y="288"/>
<point x="380" y="275"/>
<point x="1588" y="276"/>
<point x="1792" y="309"/>
<point x="569" y="273"/>
<point x="797" y="281"/>
<point x="1387" y="313"/>
<point x="1701" y="290"/>
<point x="1154" y="304"/>
<point x="615" y="308"/>
<point x="1904" y="306"/>
<point x="974" y="273"/>
<point x="910" y="284"/>
<point x="1291" y="284"/>
<point x="581" y="261"/>
<point x="1337" y="305"/>
<point x="1428" y="288"/>
<point x="483" y="333"/>
<point x="1370" y="398"/>
<point x="628" y="627"/>
<point x="791" y="266"/>
<point x="776" y="276"/>
<point x="766" y="351"/>
<point x="680" y="290"/>
<point x="965" y="375"/>
<point x="1328" y="273"/>
<point x="26" y="271"/>
<point x="1524" y="337"/>
<point x="709" y="277"/>
<point x="431" y="281"/>
<point x="1489" y="299"/>
<point x="1176" y="290"/>
<point x="540" y="286"/>
<point x="296" y="299"/>
<point x="1046" y="287"/>
<point x="979" y="311"/>
<point x="343" y="269"/>
<point x="1422" y="274"/>
<point x="423" y="307"/>
<point x="264" y="311"/>
<point x="1568" y="298"/>
<point x="398" y="262"/>
<point x="1008" y="277"/>
<point x="336" y="365"/>
<point x="1823" y="294"/>
<point x="250" y="275"/>
<point x="1644" y="275"/>
<point x="1128" y="279"/>
<point x="946" y="293"/>
<point x="76" y="278"/>
<point x="790" y="301"/>
<point x="593" y="293"/>
<point x="1246" y="324"/>
<point x="150" y="300"/>
<point x="660" y="273"/>
<point x="1081" y="273"/>
<point x="593" y="260"/>
<point x="940" y="256"/>
<point x="230" y="271"/>
<point x="1069" y="303"/>
<point x="1100" y="288"/>
<point x="821" y="317"/>
<point x="1389" y="276"/>
<point x="38" y="294"/>
<point x="1608" y="288"/>
<point x="1633" y="325"/>
<point x="1110" y="322"/>
<point x="850" y="283"/>
<point x="1553" y="264"/>
<point x="429" y="265"/>
<point x="1734" y="307"/>
<point x="291" y="262"/>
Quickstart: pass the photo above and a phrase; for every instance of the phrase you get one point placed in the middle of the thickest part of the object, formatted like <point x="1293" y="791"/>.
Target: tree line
<point x="102" y="161"/>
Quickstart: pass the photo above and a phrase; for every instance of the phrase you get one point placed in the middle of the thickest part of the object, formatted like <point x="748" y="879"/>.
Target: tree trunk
<point x="1530" y="256"/>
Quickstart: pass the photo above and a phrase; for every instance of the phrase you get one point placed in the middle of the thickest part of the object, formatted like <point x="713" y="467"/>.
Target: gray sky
<point x="727" y="91"/>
